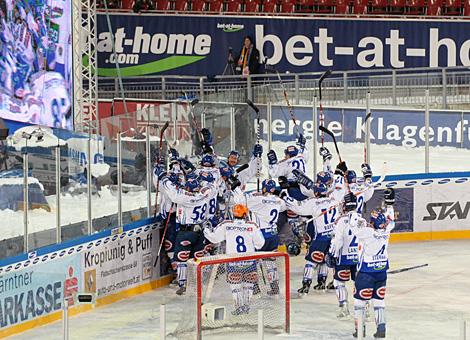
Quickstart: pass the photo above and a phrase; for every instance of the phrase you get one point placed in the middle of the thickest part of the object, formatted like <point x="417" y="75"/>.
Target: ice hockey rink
<point x="425" y="303"/>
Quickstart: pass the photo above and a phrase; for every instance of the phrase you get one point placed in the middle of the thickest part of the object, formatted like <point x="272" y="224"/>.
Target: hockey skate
<point x="181" y="290"/>
<point x="305" y="288"/>
<point x="330" y="286"/>
<point x="363" y="332"/>
<point x="320" y="286"/>
<point x="380" y="334"/>
<point x="343" y="312"/>
<point x="274" y="288"/>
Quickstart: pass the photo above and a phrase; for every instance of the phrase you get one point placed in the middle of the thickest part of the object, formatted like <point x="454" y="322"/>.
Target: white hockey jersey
<point x="214" y="171"/>
<point x="285" y="166"/>
<point x="344" y="243"/>
<point x="191" y="206"/>
<point x="264" y="209"/>
<point x="324" y="210"/>
<point x="363" y="194"/>
<point x="373" y="245"/>
<point x="240" y="236"/>
<point x="249" y="173"/>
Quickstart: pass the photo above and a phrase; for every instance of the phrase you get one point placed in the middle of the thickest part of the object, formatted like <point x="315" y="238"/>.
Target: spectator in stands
<point x="247" y="61"/>
<point x="143" y="5"/>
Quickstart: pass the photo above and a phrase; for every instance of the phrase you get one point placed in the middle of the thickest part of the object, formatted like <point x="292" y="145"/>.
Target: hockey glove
<point x="206" y="138"/>
<point x="283" y="182"/>
<point x="389" y="196"/>
<point x="174" y="155"/>
<point x="303" y="179"/>
<point x="272" y="157"/>
<point x="233" y="182"/>
<point x="159" y="172"/>
<point x="366" y="170"/>
<point x="341" y="168"/>
<point x="257" y="150"/>
<point x="301" y="141"/>
<point x="330" y="260"/>
<point x="325" y="153"/>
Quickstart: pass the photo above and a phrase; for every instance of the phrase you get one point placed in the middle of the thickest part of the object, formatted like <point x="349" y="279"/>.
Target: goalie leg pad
<point x="248" y="289"/>
<point x="341" y="292"/>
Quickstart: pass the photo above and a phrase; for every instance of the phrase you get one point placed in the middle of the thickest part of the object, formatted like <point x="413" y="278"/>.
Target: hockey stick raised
<point x="322" y="116"/>
<point x="256" y="109"/>
<point x="162" y="241"/>
<point x="160" y="154"/>
<point x="328" y="132"/>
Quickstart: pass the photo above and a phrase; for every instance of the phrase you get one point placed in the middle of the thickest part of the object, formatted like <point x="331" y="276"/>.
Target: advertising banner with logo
<point x="105" y="264"/>
<point x="199" y="45"/>
<point x="402" y="127"/>
<point x="38" y="289"/>
<point x="119" y="262"/>
<point x="442" y="206"/>
<point x="143" y="113"/>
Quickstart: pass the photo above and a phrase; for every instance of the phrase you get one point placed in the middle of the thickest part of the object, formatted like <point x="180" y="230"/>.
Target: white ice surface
<point x="422" y="304"/>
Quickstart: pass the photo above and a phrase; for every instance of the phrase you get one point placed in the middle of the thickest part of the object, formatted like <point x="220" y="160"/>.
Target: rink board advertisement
<point x="107" y="264"/>
<point x="36" y="83"/>
<point x="405" y="127"/>
<point x="199" y="45"/>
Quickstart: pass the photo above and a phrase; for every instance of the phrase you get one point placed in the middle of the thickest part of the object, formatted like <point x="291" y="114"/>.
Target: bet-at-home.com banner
<point x="199" y="45"/>
<point x="37" y="287"/>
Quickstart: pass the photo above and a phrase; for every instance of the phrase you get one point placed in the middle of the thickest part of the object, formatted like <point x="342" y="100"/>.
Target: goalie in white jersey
<point x="241" y="237"/>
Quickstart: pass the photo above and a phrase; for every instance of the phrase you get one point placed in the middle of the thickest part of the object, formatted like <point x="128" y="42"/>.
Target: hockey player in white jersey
<point x="254" y="165"/>
<point x="342" y="255"/>
<point x="190" y="216"/>
<point x="241" y="237"/>
<point x="372" y="269"/>
<point x="295" y="158"/>
<point x="265" y="208"/>
<point x="325" y="211"/>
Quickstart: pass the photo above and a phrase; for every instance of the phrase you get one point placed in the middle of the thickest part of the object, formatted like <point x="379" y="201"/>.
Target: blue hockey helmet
<point x="192" y="184"/>
<point x="174" y="177"/>
<point x="378" y="219"/>
<point x="191" y="175"/>
<point x="291" y="151"/>
<point x="268" y="185"/>
<point x="187" y="166"/>
<point x="351" y="176"/>
<point x="320" y="189"/>
<point x="226" y="171"/>
<point x="208" y="160"/>
<point x="324" y="177"/>
<point x="206" y="177"/>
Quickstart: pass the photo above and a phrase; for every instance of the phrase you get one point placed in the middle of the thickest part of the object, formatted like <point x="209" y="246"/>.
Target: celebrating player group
<point x="205" y="205"/>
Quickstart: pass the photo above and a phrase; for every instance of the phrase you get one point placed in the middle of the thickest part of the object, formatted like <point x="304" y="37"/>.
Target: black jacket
<point x="253" y="62"/>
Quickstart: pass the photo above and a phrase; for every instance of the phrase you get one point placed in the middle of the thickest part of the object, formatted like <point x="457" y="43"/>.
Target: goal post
<point x="227" y="291"/>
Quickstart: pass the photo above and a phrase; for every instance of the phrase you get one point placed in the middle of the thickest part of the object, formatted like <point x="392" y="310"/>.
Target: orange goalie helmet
<point x="240" y="211"/>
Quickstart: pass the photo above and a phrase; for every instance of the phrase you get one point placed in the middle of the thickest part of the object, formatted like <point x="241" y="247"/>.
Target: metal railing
<point x="447" y="86"/>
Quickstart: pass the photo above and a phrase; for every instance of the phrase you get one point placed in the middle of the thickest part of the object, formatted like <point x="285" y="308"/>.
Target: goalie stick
<point x="401" y="270"/>
<point x="256" y="109"/>
<point x="322" y="116"/>
<point x="160" y="151"/>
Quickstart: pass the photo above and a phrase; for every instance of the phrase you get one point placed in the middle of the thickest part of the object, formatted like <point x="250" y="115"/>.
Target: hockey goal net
<point x="226" y="292"/>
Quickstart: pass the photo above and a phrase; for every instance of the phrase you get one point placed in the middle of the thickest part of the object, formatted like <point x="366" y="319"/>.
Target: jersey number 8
<point x="241" y="247"/>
